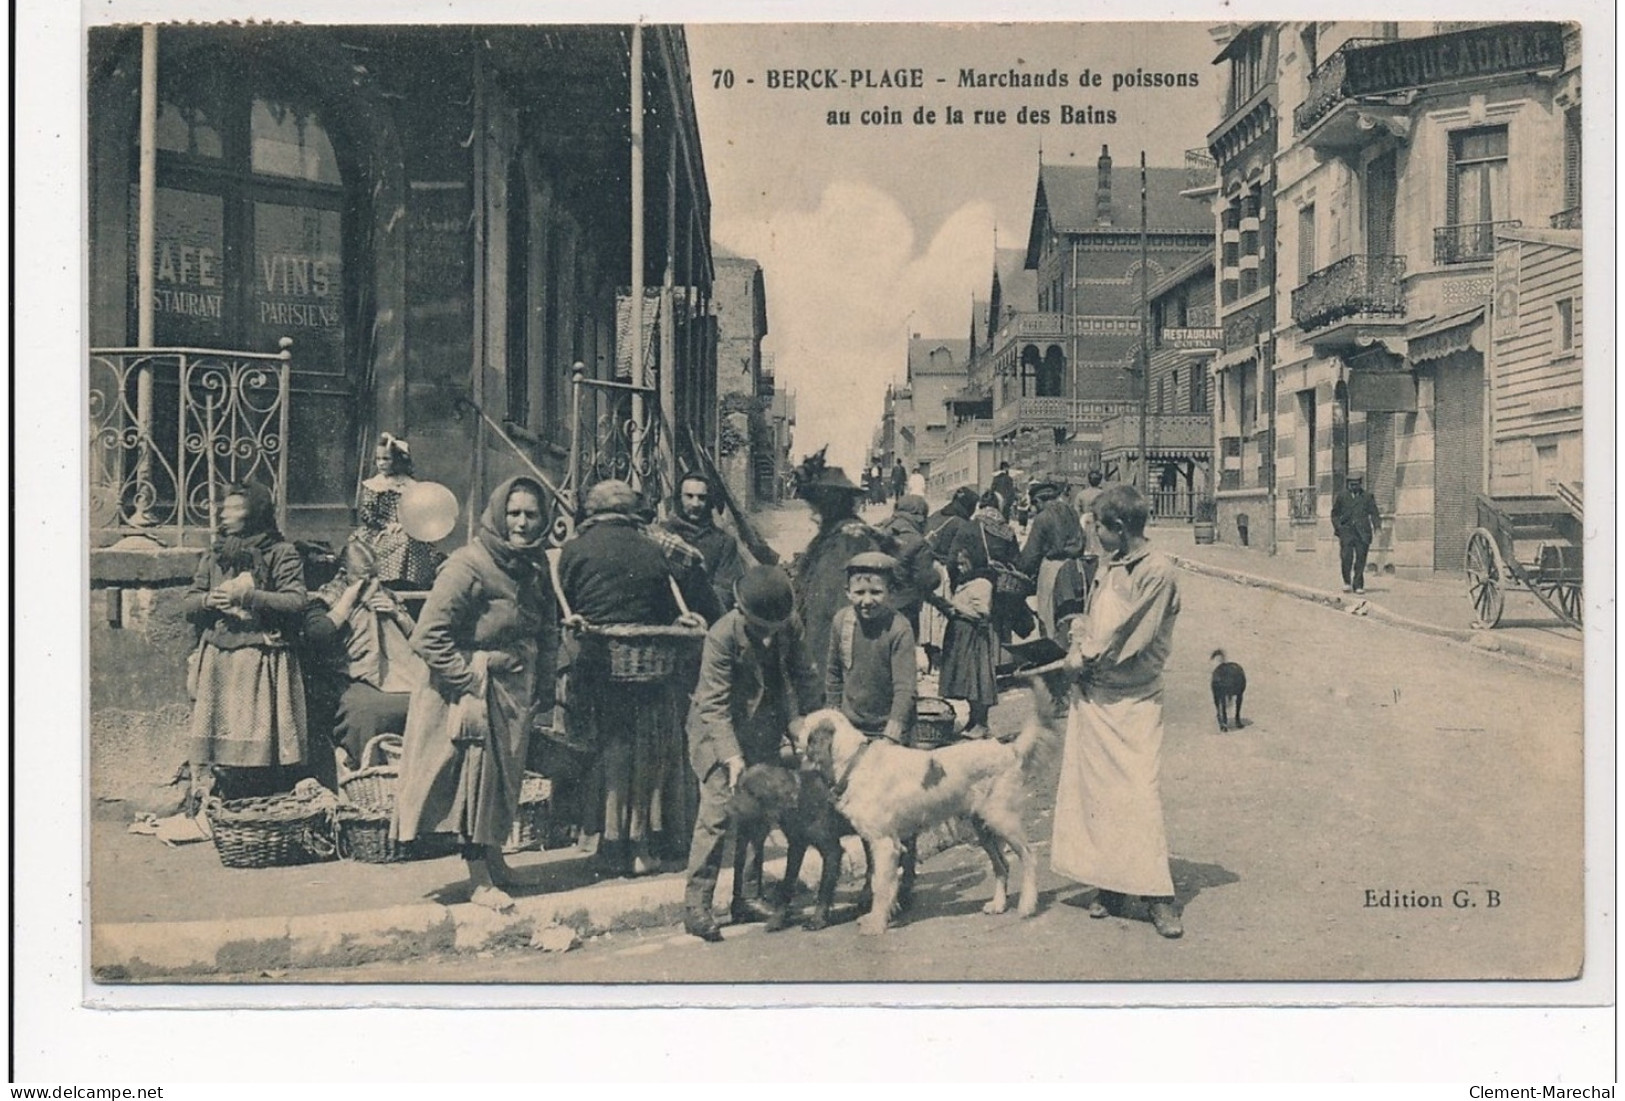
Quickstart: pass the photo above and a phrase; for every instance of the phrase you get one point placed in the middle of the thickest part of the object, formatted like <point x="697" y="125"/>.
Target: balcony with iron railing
<point x="1356" y="288"/>
<point x="1201" y="170"/>
<point x="1182" y="433"/>
<point x="1072" y="414"/>
<point x="1469" y="243"/>
<point x="170" y="428"/>
<point x="1567" y="219"/>
<point x="1328" y="85"/>
<point x="1030" y="325"/>
<point x="975" y="430"/>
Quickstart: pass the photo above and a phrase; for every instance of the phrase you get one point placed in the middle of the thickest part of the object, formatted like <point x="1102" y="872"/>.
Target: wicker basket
<point x="373" y="785"/>
<point x="933" y="723"/>
<point x="639" y="653"/>
<point x="534" y="818"/>
<point x="272" y="832"/>
<point x="363" y="834"/>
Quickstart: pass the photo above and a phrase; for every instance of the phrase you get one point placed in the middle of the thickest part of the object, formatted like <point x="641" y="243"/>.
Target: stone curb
<point x="1487" y="641"/>
<point x="147" y="951"/>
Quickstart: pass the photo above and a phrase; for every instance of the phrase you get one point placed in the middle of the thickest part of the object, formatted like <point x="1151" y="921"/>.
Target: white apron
<point x="1109" y="831"/>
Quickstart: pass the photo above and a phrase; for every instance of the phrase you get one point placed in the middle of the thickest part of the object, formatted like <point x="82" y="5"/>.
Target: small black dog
<point x="801" y="804"/>
<point x="1229" y="683"/>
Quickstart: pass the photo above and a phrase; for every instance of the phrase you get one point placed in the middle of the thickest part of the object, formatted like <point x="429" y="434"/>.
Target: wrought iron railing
<point x="1328" y="85"/>
<point x="1465" y="243"/>
<point x="170" y="428"/>
<point x="1567" y="219"/>
<point x="1354" y="286"/>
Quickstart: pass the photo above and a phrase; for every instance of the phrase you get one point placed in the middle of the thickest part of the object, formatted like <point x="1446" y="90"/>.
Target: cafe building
<point x="300" y="237"/>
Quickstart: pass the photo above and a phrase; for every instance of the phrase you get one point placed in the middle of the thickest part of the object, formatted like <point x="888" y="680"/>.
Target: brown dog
<point x="889" y="792"/>
<point x="799" y="803"/>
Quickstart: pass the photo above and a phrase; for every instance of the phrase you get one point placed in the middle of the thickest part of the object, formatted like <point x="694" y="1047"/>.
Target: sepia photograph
<point x="674" y="504"/>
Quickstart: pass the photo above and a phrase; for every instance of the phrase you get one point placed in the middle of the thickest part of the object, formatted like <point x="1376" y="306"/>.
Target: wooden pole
<point x="668" y="334"/>
<point x="1145" y="339"/>
<point x="146" y="242"/>
<point x="639" y="378"/>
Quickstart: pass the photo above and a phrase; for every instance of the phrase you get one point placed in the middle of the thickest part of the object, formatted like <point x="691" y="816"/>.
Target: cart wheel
<point x="1569" y="598"/>
<point x="1485" y="580"/>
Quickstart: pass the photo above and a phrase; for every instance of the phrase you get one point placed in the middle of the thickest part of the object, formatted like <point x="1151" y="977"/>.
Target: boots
<point x="1166" y="918"/>
<point x="698" y="920"/>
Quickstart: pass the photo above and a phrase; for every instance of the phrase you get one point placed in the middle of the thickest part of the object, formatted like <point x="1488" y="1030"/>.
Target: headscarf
<point x="516" y="562"/>
<point x="247" y="549"/>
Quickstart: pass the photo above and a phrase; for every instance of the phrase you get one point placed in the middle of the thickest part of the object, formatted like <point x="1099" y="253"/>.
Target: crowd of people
<point x="499" y="659"/>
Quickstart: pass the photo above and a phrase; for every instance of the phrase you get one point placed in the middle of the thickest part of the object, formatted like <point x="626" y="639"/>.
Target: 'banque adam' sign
<point x="1460" y="55"/>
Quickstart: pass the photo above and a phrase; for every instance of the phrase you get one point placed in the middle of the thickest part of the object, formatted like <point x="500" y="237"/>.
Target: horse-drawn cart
<point x="1527" y="543"/>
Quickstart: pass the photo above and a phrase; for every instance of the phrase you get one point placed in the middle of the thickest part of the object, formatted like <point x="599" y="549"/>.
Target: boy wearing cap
<point x="870" y="672"/>
<point x="756" y="683"/>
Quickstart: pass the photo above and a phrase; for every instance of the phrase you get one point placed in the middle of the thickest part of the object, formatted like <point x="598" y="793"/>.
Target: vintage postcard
<point x="640" y="506"/>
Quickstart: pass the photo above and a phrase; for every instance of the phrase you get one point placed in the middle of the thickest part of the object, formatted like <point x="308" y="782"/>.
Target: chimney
<point x="1103" y="189"/>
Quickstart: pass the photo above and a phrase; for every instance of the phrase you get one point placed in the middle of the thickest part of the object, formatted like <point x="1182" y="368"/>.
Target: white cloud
<point x="842" y="280"/>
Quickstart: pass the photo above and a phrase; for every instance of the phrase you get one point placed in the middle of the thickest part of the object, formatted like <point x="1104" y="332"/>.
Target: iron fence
<point x="1355" y="285"/>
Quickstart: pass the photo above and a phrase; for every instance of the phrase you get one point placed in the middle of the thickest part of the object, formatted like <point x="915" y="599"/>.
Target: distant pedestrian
<point x="1355" y="520"/>
<point x="875" y="482"/>
<point x="916" y="482"/>
<point x="1109" y="827"/>
<point x="1050" y="557"/>
<point x="1084" y="505"/>
<point x="899" y="479"/>
<point x="1005" y="486"/>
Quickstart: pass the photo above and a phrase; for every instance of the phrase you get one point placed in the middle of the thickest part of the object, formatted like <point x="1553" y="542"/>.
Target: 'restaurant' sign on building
<point x="1460" y="55"/>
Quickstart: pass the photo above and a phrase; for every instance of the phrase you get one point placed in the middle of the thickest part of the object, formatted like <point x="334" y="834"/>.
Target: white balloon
<point x="428" y="511"/>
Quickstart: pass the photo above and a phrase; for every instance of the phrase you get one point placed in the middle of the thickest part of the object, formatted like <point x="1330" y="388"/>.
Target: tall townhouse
<point x="1243" y="146"/>
<point x="1413" y="149"/>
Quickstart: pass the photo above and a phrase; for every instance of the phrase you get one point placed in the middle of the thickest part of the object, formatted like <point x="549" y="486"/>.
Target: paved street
<point x="1374" y="759"/>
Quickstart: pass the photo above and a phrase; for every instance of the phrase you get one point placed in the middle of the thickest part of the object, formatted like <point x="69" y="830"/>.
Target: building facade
<point x="743" y="430"/>
<point x="1243" y="147"/>
<point x="330" y="232"/>
<point x="1413" y="149"/>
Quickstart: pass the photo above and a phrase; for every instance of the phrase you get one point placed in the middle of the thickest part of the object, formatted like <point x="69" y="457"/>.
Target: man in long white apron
<point x="1109" y="830"/>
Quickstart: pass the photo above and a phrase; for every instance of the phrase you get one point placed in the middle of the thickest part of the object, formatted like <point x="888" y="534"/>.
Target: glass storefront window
<point x="289" y="142"/>
<point x="189" y="297"/>
<point x="296" y="286"/>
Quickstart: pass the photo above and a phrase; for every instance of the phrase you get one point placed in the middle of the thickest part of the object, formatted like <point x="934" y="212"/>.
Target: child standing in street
<point x="870" y="672"/>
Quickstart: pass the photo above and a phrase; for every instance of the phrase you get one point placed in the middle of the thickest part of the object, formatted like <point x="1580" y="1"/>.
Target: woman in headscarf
<point x="489" y="635"/>
<point x="248" y="600"/>
<point x="613" y="573"/>
<point x="970" y="646"/>
<point x="986" y="539"/>
<point x="403" y="562"/>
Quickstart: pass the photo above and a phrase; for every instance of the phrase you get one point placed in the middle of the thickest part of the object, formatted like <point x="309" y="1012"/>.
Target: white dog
<point x="890" y="793"/>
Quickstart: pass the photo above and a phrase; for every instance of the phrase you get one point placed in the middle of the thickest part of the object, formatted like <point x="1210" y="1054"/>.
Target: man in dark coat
<point x="915" y="577"/>
<point x="694" y="521"/>
<point x="1054" y="544"/>
<point x="899" y="479"/>
<point x="1356" y="520"/>
<point x="757" y="682"/>
<point x="820" y="570"/>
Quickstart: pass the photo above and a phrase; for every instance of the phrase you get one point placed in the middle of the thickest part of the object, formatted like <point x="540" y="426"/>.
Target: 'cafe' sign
<point x="1461" y="55"/>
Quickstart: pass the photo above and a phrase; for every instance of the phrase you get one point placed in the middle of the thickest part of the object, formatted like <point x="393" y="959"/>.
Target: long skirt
<point x="1109" y="831"/>
<point x="453" y="787"/>
<point x="969" y="655"/>
<point x="250" y="708"/>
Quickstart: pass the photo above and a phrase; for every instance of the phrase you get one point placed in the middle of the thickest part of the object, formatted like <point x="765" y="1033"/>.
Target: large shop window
<point x="249" y="219"/>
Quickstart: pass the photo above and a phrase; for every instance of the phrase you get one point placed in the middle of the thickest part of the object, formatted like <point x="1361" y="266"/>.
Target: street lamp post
<point x="1145" y="340"/>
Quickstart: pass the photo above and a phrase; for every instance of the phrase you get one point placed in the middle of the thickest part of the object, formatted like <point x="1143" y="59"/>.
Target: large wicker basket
<point x="274" y="831"/>
<point x="373" y="785"/>
<point x="933" y="723"/>
<point x="533" y="821"/>
<point x="640" y="653"/>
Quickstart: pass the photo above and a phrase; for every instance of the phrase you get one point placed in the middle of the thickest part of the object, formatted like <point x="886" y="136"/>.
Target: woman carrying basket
<point x="489" y="635"/>
<point x="612" y="574"/>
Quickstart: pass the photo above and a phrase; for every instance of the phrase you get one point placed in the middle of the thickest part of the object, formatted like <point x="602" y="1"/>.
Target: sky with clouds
<point x="866" y="233"/>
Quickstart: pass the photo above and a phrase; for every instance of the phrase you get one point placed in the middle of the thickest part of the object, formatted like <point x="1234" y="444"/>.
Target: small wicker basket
<point x="273" y="831"/>
<point x="533" y="820"/>
<point x="373" y="785"/>
<point x="933" y="723"/>
<point x="364" y="835"/>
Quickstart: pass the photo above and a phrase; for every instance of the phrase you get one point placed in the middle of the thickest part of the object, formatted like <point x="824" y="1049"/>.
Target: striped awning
<point x="1445" y="336"/>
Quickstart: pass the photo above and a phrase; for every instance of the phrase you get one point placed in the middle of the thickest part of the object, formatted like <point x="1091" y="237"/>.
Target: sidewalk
<point x="1432" y="604"/>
